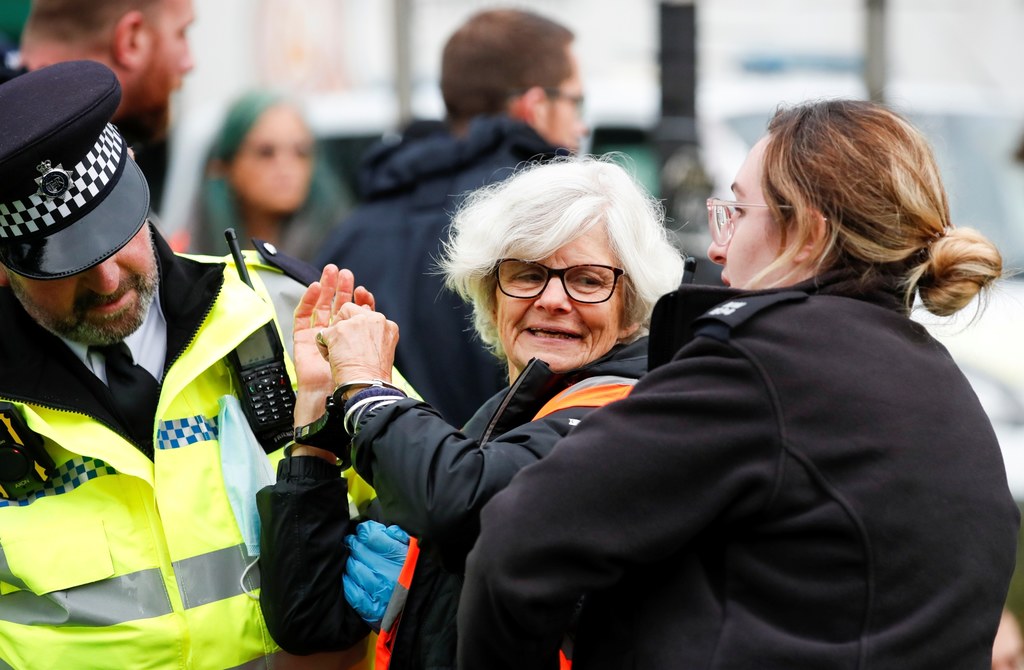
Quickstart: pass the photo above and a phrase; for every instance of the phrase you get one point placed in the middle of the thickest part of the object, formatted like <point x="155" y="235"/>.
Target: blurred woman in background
<point x="266" y="179"/>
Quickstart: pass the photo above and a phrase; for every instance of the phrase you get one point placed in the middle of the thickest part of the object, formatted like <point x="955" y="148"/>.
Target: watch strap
<point x="328" y="433"/>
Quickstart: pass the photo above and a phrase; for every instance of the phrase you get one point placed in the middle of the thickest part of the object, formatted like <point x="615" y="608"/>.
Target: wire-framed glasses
<point x="583" y="283"/>
<point x="722" y="217"/>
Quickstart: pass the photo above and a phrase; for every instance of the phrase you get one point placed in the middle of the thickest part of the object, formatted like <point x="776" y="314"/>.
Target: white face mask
<point x="246" y="470"/>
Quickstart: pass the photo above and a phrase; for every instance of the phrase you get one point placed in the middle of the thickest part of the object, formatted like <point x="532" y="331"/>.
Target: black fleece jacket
<point x="810" y="482"/>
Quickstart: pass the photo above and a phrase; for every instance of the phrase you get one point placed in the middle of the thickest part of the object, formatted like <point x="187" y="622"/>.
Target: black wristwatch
<point x="328" y="432"/>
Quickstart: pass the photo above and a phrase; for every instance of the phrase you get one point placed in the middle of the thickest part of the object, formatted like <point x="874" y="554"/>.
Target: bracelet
<point x="357" y="404"/>
<point x="350" y="412"/>
<point x="362" y="408"/>
<point x="342" y="389"/>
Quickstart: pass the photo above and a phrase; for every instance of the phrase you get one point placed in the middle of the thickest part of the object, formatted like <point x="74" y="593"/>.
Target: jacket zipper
<point x="70" y="410"/>
<point x="504" y="404"/>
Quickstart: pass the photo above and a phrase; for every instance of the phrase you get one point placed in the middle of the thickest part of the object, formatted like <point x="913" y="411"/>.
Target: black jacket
<point x="392" y="243"/>
<point x="7" y="73"/>
<point x="809" y="483"/>
<point x="432" y="480"/>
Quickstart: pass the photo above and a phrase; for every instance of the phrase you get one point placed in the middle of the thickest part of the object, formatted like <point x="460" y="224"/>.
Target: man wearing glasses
<point x="513" y="94"/>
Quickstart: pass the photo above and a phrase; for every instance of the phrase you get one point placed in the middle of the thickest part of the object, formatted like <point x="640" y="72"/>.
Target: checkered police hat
<point x="70" y="196"/>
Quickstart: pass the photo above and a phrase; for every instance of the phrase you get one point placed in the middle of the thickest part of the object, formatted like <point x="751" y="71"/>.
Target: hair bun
<point x="959" y="265"/>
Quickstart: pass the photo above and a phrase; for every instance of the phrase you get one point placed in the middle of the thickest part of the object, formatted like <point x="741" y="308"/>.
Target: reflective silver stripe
<point x="264" y="663"/>
<point x="600" y="380"/>
<point x="5" y="572"/>
<point x="214" y="576"/>
<point x="280" y="659"/>
<point x="4" y="666"/>
<point x="395" y="607"/>
<point x="140" y="595"/>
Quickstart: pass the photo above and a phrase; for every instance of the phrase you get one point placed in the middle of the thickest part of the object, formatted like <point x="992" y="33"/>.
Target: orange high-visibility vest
<point x="393" y="613"/>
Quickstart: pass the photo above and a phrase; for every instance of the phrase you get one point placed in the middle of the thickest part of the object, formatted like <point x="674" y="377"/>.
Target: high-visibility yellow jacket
<point x="119" y="561"/>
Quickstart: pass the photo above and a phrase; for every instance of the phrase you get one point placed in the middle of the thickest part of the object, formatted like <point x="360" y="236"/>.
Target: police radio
<point x="24" y="463"/>
<point x="258" y="365"/>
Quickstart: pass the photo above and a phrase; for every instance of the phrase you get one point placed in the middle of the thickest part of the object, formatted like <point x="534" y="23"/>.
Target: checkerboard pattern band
<point x="68" y="477"/>
<point x="178" y="433"/>
<point x="89" y="178"/>
<point x="172" y="434"/>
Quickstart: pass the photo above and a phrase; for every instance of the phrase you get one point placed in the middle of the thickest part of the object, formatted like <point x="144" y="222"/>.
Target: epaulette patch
<point x="719" y="321"/>
<point x="297" y="269"/>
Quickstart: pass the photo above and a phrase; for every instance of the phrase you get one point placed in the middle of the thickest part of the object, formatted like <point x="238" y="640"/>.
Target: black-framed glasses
<point x="722" y="217"/>
<point x="583" y="283"/>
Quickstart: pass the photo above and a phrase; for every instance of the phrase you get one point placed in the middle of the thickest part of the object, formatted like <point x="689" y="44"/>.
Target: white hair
<point x="544" y="207"/>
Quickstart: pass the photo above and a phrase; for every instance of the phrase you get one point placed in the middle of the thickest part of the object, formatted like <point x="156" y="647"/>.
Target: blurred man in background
<point x="513" y="93"/>
<point x="143" y="41"/>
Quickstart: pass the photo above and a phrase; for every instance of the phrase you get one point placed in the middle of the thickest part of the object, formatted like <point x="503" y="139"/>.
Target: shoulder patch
<point x="299" y="270"/>
<point x="727" y="308"/>
<point x="719" y="321"/>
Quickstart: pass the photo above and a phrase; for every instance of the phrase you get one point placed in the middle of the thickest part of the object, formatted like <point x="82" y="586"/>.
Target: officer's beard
<point x="87" y="328"/>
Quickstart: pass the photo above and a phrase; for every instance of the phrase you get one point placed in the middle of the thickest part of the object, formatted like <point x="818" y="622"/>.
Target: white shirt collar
<point x="148" y="345"/>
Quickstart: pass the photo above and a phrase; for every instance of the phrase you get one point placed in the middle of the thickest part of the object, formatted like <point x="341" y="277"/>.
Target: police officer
<point x="119" y="546"/>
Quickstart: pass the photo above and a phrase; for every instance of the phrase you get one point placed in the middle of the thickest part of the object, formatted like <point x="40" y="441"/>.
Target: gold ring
<point x="320" y="339"/>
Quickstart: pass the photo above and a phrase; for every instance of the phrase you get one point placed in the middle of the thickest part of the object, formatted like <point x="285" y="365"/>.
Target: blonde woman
<point x="809" y="482"/>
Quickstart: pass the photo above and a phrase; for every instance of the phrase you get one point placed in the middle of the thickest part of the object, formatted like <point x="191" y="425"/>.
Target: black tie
<point x="135" y="393"/>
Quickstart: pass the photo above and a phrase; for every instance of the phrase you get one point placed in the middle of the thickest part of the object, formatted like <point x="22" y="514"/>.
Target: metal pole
<point x="875" y="54"/>
<point x="685" y="184"/>
<point x="403" y="61"/>
<point x="678" y="60"/>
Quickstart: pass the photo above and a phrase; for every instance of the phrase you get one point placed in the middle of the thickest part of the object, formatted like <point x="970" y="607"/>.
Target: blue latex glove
<point x="376" y="555"/>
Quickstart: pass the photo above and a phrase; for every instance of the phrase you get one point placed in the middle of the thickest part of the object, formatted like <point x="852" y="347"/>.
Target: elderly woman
<point x="563" y="264"/>
<point x="809" y="481"/>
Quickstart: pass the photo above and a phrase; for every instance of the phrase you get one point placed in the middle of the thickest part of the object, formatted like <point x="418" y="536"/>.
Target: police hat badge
<point x="70" y="196"/>
<point x="55" y="181"/>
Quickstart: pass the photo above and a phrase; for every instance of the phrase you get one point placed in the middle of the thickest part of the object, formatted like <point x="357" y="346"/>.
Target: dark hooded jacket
<point x="393" y="240"/>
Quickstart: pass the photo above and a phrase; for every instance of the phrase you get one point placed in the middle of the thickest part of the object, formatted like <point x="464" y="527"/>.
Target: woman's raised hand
<point x="361" y="342"/>
<point x="312" y="315"/>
